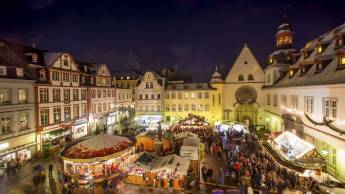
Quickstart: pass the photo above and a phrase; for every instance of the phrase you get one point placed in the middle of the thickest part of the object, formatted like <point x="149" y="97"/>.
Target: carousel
<point x="194" y="124"/>
<point x="98" y="157"/>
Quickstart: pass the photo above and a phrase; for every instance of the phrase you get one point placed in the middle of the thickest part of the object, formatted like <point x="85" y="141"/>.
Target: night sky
<point x="195" y="35"/>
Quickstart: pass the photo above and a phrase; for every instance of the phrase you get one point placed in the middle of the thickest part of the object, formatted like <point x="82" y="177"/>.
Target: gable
<point x="61" y="61"/>
<point x="103" y="70"/>
<point x="246" y="66"/>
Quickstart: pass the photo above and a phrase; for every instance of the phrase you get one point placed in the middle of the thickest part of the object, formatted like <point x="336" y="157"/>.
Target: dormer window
<point x="34" y="57"/>
<point x="319" y="67"/>
<point x="65" y="62"/>
<point x="240" y="78"/>
<point x="338" y="42"/>
<point x="291" y="73"/>
<point x="270" y="61"/>
<point x="341" y="60"/>
<point x="3" y="71"/>
<point x="19" y="72"/>
<point x="319" y="49"/>
<point x="42" y="74"/>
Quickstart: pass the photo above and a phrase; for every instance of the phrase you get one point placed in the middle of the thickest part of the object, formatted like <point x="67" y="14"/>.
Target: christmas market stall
<point x="193" y="123"/>
<point x="148" y="169"/>
<point x="232" y="127"/>
<point x="98" y="157"/>
<point x="146" y="141"/>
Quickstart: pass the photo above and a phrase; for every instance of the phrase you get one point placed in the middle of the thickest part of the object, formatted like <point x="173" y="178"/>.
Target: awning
<point x="14" y="149"/>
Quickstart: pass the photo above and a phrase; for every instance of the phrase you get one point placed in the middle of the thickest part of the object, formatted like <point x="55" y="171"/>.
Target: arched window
<point x="250" y="77"/>
<point x="240" y="78"/>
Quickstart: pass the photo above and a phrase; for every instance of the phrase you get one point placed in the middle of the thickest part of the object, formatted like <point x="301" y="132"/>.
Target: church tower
<point x="283" y="55"/>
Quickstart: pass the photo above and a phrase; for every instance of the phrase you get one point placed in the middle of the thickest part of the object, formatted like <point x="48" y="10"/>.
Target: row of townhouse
<point x="47" y="98"/>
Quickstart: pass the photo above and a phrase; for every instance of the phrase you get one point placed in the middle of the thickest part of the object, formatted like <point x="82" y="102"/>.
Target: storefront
<point x="147" y="120"/>
<point x="79" y="128"/>
<point x="22" y="147"/>
<point x="53" y="136"/>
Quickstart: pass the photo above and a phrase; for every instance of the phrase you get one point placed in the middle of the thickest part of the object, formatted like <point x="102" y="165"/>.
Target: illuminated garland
<point x="326" y="122"/>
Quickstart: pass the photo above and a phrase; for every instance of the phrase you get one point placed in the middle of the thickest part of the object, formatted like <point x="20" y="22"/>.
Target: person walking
<point x="204" y="173"/>
<point x="50" y="169"/>
<point x="171" y="185"/>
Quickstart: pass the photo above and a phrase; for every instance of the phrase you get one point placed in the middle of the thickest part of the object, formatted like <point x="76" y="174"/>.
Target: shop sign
<point x="4" y="146"/>
<point x="51" y="127"/>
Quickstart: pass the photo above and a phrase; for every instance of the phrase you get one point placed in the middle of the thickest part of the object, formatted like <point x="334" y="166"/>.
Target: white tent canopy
<point x="291" y="146"/>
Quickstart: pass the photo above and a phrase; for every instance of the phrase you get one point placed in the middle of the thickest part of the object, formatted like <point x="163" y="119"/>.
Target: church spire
<point x="216" y="76"/>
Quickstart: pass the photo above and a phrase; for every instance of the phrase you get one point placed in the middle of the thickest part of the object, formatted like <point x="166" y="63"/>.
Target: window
<point x="44" y="117"/>
<point x="109" y="93"/>
<point x="240" y="78"/>
<point x="268" y="99"/>
<point x="173" y="95"/>
<point x="75" y="78"/>
<point x="5" y="124"/>
<point x="57" y="115"/>
<point x="146" y="96"/>
<point x="219" y="99"/>
<point x="3" y="70"/>
<point x="192" y="95"/>
<point x="83" y="94"/>
<point x="99" y="94"/>
<point x="167" y="95"/>
<point x="43" y="95"/>
<point x="206" y="95"/>
<point x="167" y="108"/>
<point x="334" y="156"/>
<point x="173" y="108"/>
<point x="55" y="76"/>
<point x="207" y="107"/>
<point x="186" y="107"/>
<point x="250" y="77"/>
<point x="186" y="95"/>
<point x="330" y="107"/>
<point x="104" y="106"/>
<point x="341" y="60"/>
<point x="338" y="42"/>
<point x="283" y="99"/>
<point x="66" y="94"/>
<point x="65" y="77"/>
<point x="294" y="100"/>
<point x="109" y="106"/>
<point x="65" y="62"/>
<point x="319" y="49"/>
<point x="5" y="96"/>
<point x="268" y="78"/>
<point x="193" y="107"/>
<point x="199" y="107"/>
<point x="180" y="108"/>
<point x="158" y="96"/>
<point x="308" y="104"/>
<point x="140" y="96"/>
<point x="151" y="85"/>
<point x="19" y="72"/>
<point x="75" y="94"/>
<point x="104" y="93"/>
<point x="75" y="111"/>
<point x="113" y="93"/>
<point x="67" y="113"/>
<point x="152" y="96"/>
<point x="275" y="100"/>
<point x="199" y="95"/>
<point x="146" y="85"/>
<point x="23" y="118"/>
<point x="56" y="95"/>
<point x="179" y="95"/>
<point x="22" y="96"/>
<point x="93" y="94"/>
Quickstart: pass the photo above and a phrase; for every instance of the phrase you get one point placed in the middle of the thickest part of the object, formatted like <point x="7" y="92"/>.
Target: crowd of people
<point x="250" y="166"/>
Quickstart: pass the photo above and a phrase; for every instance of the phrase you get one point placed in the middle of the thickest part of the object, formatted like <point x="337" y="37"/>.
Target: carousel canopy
<point x="291" y="146"/>
<point x="98" y="146"/>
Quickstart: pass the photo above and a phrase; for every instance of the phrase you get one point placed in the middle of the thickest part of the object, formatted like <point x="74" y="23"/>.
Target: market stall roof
<point x="185" y="134"/>
<point x="97" y="146"/>
<point x="145" y="160"/>
<point x="291" y="146"/>
<point x="172" y="162"/>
